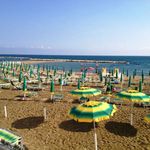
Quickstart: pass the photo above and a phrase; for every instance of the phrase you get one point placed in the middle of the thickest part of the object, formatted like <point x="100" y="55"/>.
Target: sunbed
<point x="10" y="140"/>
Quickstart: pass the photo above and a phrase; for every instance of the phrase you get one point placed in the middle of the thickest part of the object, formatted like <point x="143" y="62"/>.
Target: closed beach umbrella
<point x="133" y="96"/>
<point x="127" y="73"/>
<point x="147" y="118"/>
<point x="121" y="78"/>
<point x="61" y="83"/>
<point x="52" y="86"/>
<point x="140" y="86"/>
<point x="92" y="111"/>
<point x="129" y="82"/>
<point x="116" y="74"/>
<point x="24" y="84"/>
<point x="20" y="76"/>
<point x="101" y="76"/>
<point x="86" y="92"/>
<point x="78" y="84"/>
<point x="13" y="72"/>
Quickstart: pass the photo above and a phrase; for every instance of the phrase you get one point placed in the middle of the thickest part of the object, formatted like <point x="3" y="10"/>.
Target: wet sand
<point x="60" y="132"/>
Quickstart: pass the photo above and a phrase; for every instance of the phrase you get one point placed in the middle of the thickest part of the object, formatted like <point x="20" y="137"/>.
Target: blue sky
<point x="75" y="27"/>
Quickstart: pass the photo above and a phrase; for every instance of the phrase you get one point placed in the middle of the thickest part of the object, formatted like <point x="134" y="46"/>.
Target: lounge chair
<point x="104" y="99"/>
<point x="146" y="104"/>
<point x="116" y="101"/>
<point x="83" y="99"/>
<point x="57" y="97"/>
<point x="10" y="141"/>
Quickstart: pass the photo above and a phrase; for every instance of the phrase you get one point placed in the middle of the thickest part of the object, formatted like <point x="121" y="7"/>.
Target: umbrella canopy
<point x="92" y="111"/>
<point x="147" y="118"/>
<point x="85" y="92"/>
<point x="134" y="96"/>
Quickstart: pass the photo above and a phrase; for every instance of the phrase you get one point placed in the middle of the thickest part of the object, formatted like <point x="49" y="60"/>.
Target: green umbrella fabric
<point x="92" y="111"/>
<point x="86" y="92"/>
<point x="24" y="84"/>
<point x="78" y="84"/>
<point x="52" y="86"/>
<point x="134" y="96"/>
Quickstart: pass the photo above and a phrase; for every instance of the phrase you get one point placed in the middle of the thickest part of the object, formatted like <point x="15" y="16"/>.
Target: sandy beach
<point x="60" y="132"/>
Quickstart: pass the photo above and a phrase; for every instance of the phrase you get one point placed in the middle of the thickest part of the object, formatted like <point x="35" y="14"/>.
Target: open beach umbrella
<point x="86" y="92"/>
<point x="133" y="96"/>
<point x="147" y="118"/>
<point x="92" y="111"/>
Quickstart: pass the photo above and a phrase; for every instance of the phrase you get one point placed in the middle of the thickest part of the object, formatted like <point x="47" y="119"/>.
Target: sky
<point x="75" y="27"/>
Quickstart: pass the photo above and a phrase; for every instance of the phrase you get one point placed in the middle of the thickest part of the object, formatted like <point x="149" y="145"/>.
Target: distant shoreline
<point x="34" y="61"/>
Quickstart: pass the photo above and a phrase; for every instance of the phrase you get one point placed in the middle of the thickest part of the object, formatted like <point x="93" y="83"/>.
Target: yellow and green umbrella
<point x="92" y="111"/>
<point x="147" y="118"/>
<point x="86" y="92"/>
<point x="133" y="96"/>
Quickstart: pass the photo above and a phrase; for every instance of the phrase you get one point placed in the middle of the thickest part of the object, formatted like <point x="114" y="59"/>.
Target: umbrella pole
<point x="95" y="136"/>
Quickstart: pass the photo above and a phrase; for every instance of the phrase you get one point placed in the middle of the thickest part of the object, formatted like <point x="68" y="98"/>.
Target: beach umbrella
<point x="127" y="73"/>
<point x="92" y="111"/>
<point x="78" y="84"/>
<point x="129" y="81"/>
<point x="112" y="72"/>
<point x="61" y="82"/>
<point x="116" y="74"/>
<point x="55" y="72"/>
<point x="133" y="96"/>
<point x="105" y="80"/>
<point x="20" y="76"/>
<point x="147" y="118"/>
<point x="86" y="92"/>
<point x="13" y="73"/>
<point x="52" y="88"/>
<point x="140" y="86"/>
<point x="101" y="76"/>
<point x="31" y="72"/>
<point x="121" y="78"/>
<point x="123" y="71"/>
<point x="24" y="84"/>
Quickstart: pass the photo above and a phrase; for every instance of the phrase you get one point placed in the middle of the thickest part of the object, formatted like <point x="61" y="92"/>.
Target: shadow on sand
<point x="71" y="125"/>
<point x="122" y="129"/>
<point x="28" y="123"/>
<point x="75" y="101"/>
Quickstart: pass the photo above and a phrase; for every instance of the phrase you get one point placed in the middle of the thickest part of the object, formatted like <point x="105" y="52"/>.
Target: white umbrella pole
<point x="95" y="136"/>
<point x="5" y="111"/>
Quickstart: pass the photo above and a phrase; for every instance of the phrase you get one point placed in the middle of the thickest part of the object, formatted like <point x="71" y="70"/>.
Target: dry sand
<point x="59" y="132"/>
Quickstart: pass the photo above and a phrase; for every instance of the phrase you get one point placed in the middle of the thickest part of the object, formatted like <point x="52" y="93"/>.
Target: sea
<point x="134" y="62"/>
